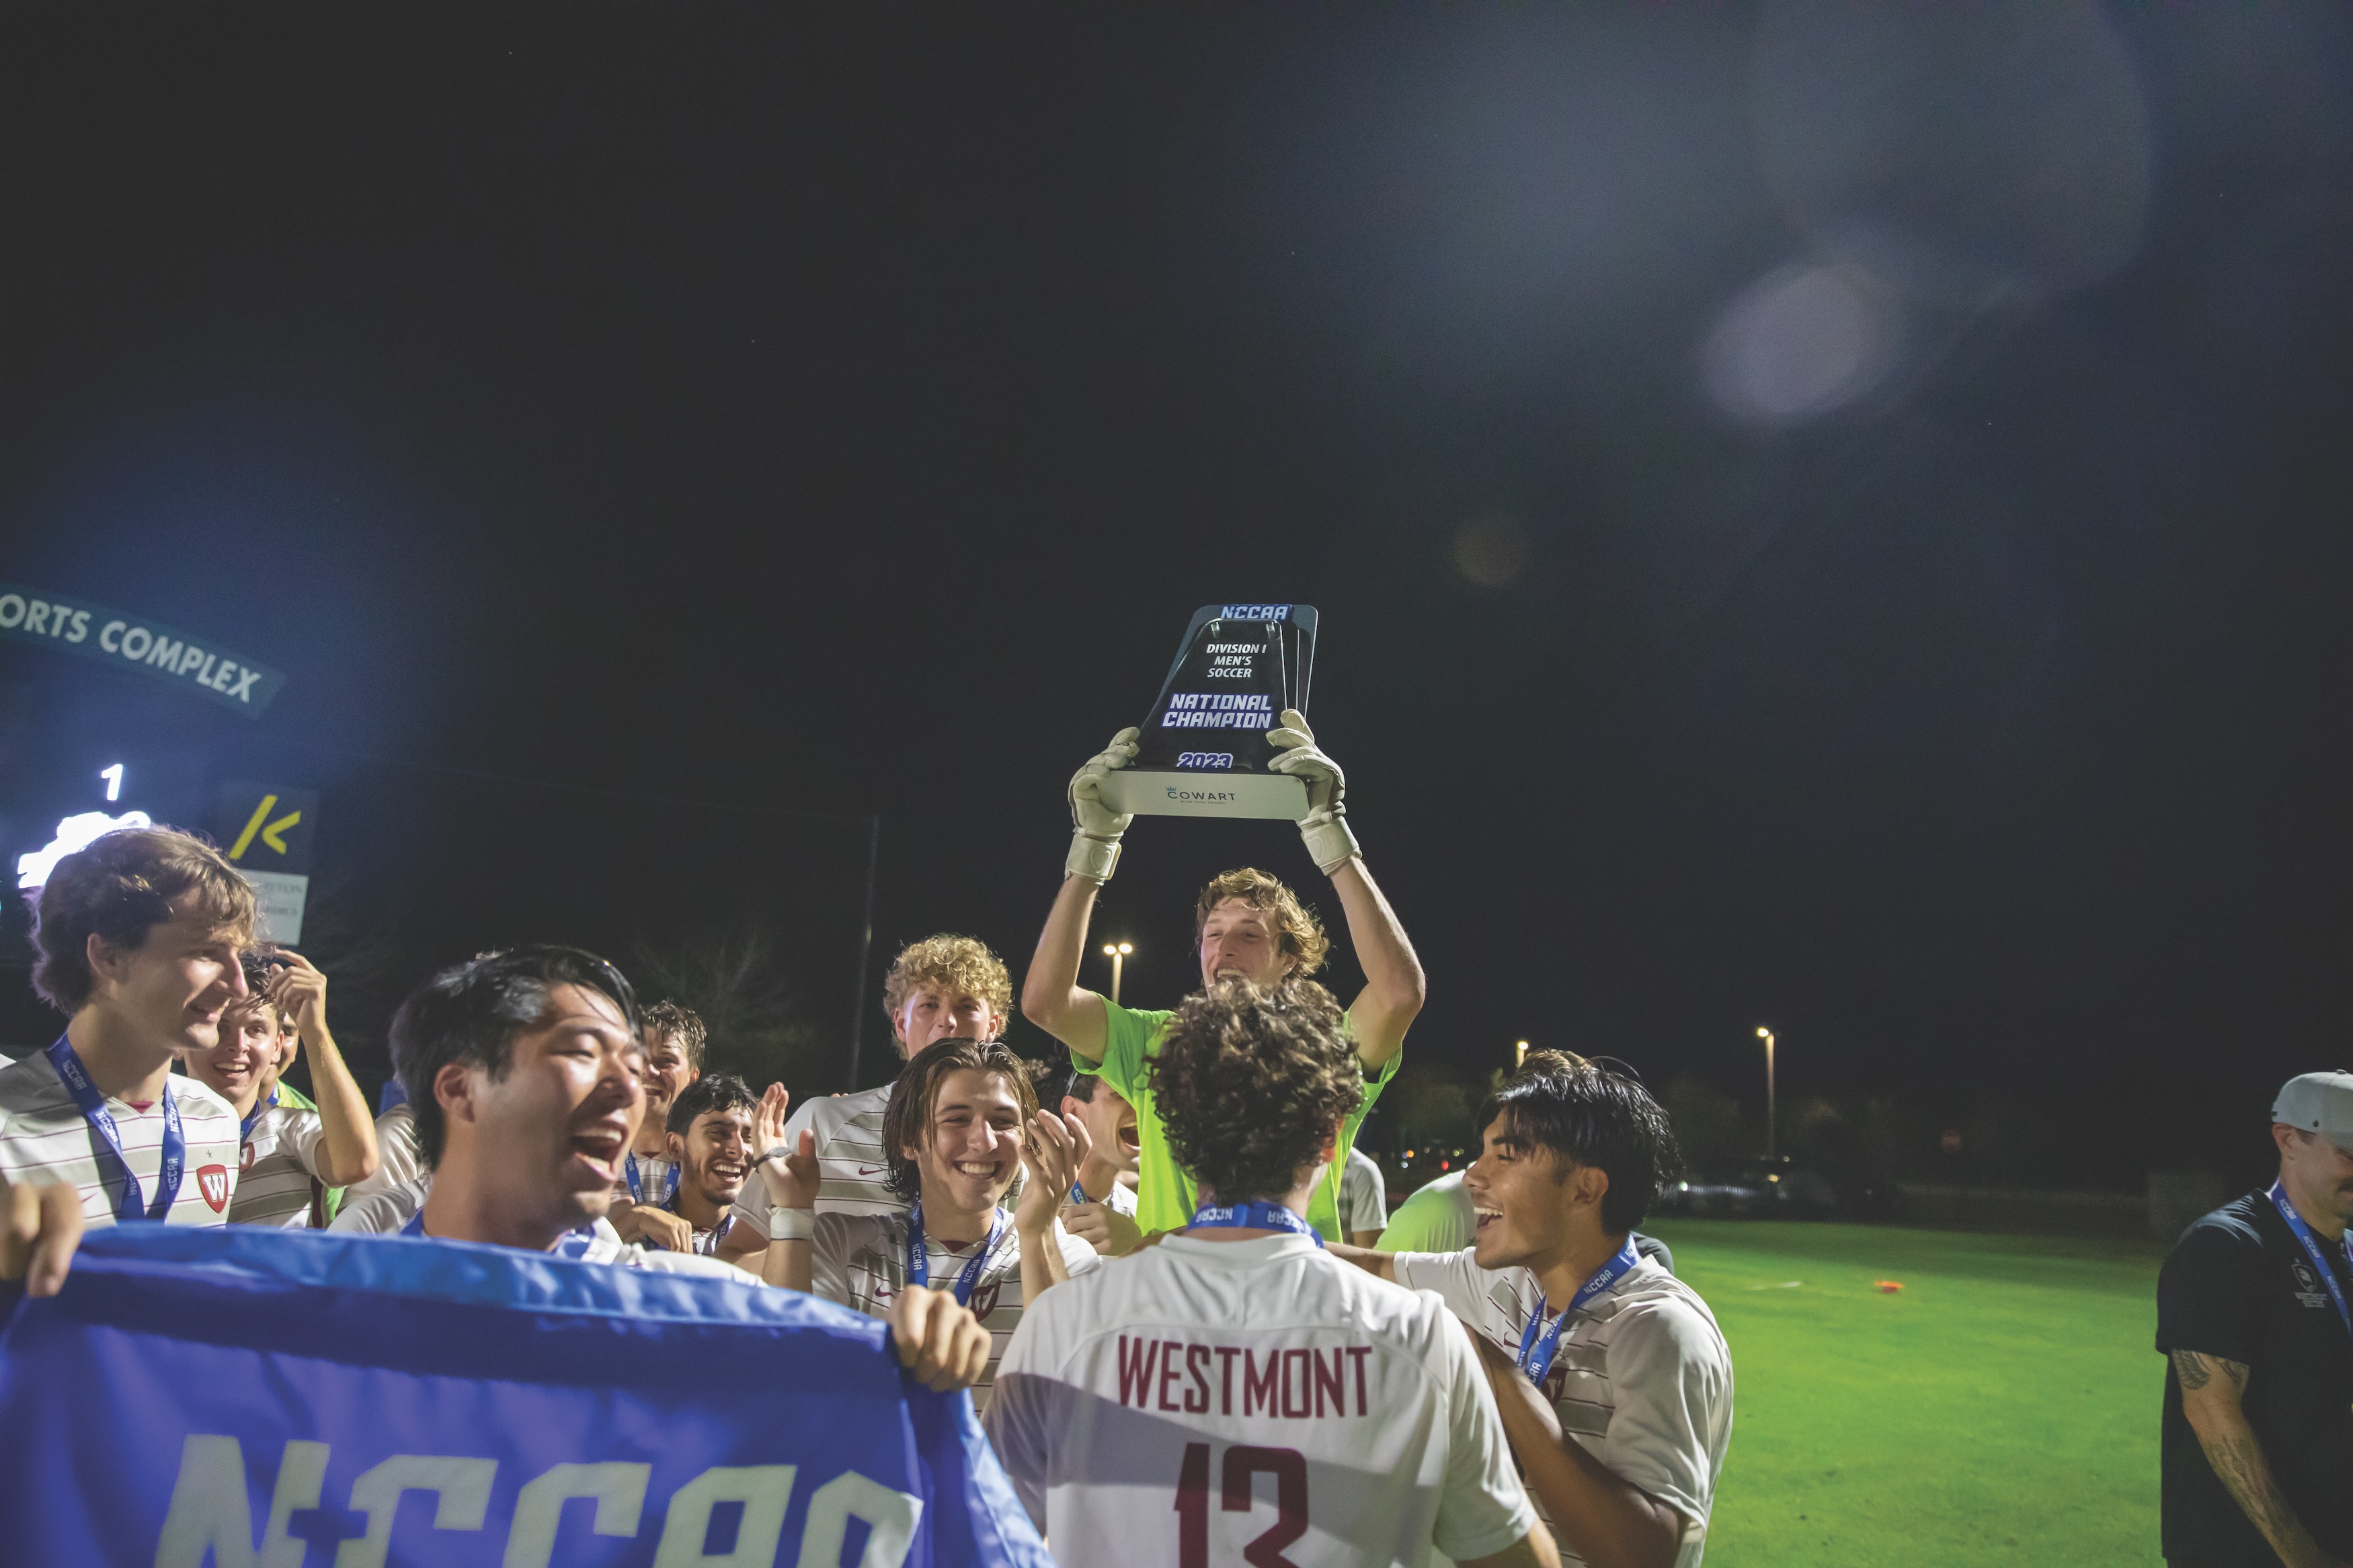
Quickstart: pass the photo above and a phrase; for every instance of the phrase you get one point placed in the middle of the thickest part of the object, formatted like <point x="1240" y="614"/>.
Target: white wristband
<point x="791" y="1224"/>
<point x="1329" y="842"/>
<point x="1093" y="859"/>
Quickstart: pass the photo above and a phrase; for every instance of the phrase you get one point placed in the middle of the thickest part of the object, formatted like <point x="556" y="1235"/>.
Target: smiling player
<point x="674" y="1041"/>
<point x="1246" y="925"/>
<point x="941" y="987"/>
<point x="710" y="1137"/>
<point x="1100" y="1211"/>
<point x="1614" y="1383"/>
<point x="961" y="1123"/>
<point x="290" y="1153"/>
<point x="137" y="938"/>
<point x="1332" y="1418"/>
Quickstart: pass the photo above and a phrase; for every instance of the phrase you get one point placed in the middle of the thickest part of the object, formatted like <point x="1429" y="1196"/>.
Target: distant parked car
<point x="1760" y="1190"/>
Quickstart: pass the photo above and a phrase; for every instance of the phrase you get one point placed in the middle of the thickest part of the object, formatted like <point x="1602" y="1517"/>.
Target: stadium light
<point x="1765" y="1035"/>
<point x="1117" y="952"/>
<point x="1520" y="1058"/>
<point x="74" y="833"/>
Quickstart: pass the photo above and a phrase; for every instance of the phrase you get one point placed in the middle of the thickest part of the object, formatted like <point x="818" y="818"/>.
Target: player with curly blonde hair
<point x="943" y="987"/>
<point x="1248" y="925"/>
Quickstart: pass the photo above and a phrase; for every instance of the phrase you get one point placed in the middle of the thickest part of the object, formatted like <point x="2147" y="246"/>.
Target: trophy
<point x="1203" y="750"/>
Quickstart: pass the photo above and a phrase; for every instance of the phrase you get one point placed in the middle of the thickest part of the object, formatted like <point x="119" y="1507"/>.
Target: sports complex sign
<point x="118" y="638"/>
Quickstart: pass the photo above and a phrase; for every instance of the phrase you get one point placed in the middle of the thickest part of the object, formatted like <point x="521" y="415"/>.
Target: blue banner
<point x="253" y="1398"/>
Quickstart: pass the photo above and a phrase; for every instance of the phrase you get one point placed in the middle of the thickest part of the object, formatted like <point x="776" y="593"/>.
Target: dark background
<point x="820" y="414"/>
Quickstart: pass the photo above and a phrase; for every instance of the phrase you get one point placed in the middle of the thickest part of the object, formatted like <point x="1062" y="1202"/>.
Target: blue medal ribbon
<point x="1537" y="1349"/>
<point x="1078" y="1193"/>
<point x="919" y="1262"/>
<point x="636" y="1187"/>
<point x="247" y="1122"/>
<point x="716" y="1233"/>
<point x="128" y="1193"/>
<point x="1256" y="1214"/>
<point x="2311" y="1250"/>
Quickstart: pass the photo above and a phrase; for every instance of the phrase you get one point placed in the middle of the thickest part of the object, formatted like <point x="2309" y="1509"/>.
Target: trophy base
<point x="1148" y="792"/>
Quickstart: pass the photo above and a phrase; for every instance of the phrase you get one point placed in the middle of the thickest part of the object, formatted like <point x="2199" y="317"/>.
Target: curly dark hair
<point x="1588" y="1115"/>
<point x="712" y="1091"/>
<point x="1249" y="1084"/>
<point x="907" y="1117"/>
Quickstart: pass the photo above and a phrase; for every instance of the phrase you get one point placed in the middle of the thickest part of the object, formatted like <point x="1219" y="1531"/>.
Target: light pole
<point x="1117" y="952"/>
<point x="1766" y="1036"/>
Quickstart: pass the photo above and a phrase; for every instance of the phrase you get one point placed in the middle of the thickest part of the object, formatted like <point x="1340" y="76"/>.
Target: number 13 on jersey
<point x="1243" y="1465"/>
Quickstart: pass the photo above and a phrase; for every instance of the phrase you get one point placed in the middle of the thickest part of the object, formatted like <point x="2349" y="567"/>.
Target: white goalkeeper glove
<point x="1094" y="826"/>
<point x="1324" y="828"/>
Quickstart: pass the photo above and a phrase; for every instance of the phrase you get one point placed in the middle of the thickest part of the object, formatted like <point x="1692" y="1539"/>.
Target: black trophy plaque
<point x="1203" y="752"/>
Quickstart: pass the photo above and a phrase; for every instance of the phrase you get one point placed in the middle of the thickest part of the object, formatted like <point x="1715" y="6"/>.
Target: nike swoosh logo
<point x="870" y="1170"/>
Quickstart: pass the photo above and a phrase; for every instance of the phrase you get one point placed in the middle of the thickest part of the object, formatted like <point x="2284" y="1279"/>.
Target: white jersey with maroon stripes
<point x="853" y="1178"/>
<point x="1214" y="1402"/>
<point x="278" y="1169"/>
<point x="45" y="1137"/>
<point x="861" y="1262"/>
<point x="1642" y="1379"/>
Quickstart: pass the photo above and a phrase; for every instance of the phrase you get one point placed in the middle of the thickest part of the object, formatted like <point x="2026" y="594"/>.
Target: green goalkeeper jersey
<point x="1163" y="1194"/>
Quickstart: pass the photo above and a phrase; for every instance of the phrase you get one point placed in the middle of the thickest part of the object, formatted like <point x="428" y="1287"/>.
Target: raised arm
<point x="1051" y="997"/>
<point x="2212" y="1388"/>
<point x="1394" y="987"/>
<point x="347" y="1151"/>
<point x="790" y="1172"/>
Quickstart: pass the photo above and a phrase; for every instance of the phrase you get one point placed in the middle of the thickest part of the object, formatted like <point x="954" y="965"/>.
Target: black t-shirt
<point x="2239" y="1286"/>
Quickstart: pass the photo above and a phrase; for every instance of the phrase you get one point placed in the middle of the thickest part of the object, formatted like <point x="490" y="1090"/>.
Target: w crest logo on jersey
<point x="212" y="1185"/>
<point x="244" y="1159"/>
<point x="983" y="1300"/>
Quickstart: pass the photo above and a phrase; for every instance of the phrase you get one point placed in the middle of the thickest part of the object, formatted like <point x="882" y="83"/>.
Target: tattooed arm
<point x="2211" y="1387"/>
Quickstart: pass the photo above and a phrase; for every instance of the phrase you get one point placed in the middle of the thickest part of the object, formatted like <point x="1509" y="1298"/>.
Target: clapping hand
<point x="791" y="1174"/>
<point x="1050" y="1157"/>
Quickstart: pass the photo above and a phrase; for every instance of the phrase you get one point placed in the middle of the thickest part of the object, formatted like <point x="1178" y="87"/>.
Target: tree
<point x="1708" y="1124"/>
<point x="747" y="999"/>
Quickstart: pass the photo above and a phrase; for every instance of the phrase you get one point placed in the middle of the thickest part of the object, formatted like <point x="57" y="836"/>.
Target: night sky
<point x="842" y="413"/>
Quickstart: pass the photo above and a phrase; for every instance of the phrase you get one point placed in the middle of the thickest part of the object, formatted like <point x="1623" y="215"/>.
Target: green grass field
<point x="2001" y="1408"/>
